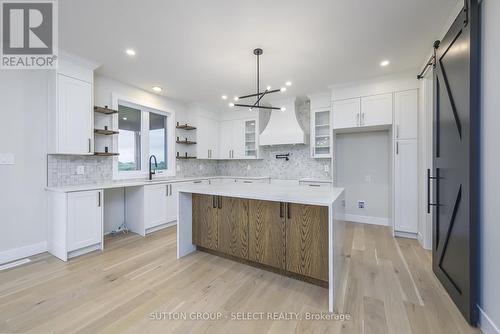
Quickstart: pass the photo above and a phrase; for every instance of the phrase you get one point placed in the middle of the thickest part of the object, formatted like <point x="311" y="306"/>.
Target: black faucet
<point x="151" y="172"/>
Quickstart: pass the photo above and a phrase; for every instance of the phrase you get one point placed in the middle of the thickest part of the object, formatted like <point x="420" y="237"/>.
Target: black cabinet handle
<point x="219" y="200"/>
<point x="214" y="206"/>
<point x="281" y="209"/>
<point x="99" y="199"/>
<point x="288" y="213"/>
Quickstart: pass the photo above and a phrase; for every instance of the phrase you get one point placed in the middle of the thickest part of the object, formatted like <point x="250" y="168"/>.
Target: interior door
<point x="455" y="159"/>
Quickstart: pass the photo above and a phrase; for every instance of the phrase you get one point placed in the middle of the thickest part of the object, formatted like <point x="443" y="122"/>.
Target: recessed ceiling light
<point x="384" y="63"/>
<point x="224" y="97"/>
<point x="288" y="83"/>
<point x="124" y="118"/>
<point x="157" y="89"/>
<point x="130" y="52"/>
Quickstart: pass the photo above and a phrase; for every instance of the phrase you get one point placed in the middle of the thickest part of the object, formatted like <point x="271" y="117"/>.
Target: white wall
<point x="363" y="168"/>
<point x="23" y="132"/>
<point x="490" y="170"/>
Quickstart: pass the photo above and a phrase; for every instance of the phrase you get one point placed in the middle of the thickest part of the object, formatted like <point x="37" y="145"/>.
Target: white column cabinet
<point x="346" y="113"/>
<point x="406" y="186"/>
<point x="405" y="114"/>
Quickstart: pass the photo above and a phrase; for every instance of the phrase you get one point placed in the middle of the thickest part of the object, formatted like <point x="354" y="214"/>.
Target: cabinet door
<point x="233" y="226"/>
<point x="205" y="221"/>
<point x="266" y="233"/>
<point x="376" y="110"/>
<point x="238" y="136"/>
<point x="172" y="199"/>
<point x="346" y="113"/>
<point x="213" y="138"/>
<point x="251" y="139"/>
<point x="84" y="219"/>
<point x="225" y="139"/>
<point x="405" y="114"/>
<point x="320" y="134"/>
<point x="75" y="116"/>
<point x="155" y="205"/>
<point x="406" y="186"/>
<point x="207" y="140"/>
<point x="307" y="240"/>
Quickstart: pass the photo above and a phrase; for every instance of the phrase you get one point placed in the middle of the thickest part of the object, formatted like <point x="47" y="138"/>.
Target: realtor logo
<point x="29" y="34"/>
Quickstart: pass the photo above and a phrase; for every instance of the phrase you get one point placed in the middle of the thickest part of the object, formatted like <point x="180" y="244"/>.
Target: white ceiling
<point x="198" y="50"/>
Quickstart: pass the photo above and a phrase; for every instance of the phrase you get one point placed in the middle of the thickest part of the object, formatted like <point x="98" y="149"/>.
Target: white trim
<point x="408" y="235"/>
<point x="364" y="219"/>
<point x="487" y="325"/>
<point x="22" y="252"/>
<point x="14" y="264"/>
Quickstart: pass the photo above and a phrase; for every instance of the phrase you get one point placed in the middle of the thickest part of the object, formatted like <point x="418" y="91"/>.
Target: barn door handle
<point x="429" y="178"/>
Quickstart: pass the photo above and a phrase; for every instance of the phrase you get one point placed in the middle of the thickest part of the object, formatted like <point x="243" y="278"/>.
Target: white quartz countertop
<point x="144" y="182"/>
<point x="268" y="192"/>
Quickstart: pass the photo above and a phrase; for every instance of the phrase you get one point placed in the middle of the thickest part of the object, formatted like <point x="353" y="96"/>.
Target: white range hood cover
<point x="283" y="127"/>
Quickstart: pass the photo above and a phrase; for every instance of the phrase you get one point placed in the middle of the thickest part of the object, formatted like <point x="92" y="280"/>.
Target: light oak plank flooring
<point x="389" y="288"/>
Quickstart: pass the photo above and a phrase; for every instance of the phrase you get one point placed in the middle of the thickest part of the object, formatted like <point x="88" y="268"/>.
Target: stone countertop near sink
<point x="143" y="182"/>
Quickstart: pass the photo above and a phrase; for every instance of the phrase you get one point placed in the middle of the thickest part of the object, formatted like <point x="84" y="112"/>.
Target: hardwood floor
<point x="390" y="289"/>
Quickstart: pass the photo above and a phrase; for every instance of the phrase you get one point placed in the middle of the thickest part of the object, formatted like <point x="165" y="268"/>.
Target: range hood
<point x="283" y="127"/>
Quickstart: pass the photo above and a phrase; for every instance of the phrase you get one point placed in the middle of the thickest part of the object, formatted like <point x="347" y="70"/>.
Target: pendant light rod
<point x="258" y="94"/>
<point x="258" y="107"/>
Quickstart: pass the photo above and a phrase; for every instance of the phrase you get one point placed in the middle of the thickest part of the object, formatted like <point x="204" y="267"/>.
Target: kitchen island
<point x="290" y="230"/>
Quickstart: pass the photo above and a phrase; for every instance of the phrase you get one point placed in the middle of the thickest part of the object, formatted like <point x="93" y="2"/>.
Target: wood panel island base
<point x="285" y="229"/>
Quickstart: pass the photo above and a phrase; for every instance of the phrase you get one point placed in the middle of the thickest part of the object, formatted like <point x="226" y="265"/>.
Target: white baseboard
<point x="22" y="252"/>
<point x="486" y="325"/>
<point x="364" y="219"/>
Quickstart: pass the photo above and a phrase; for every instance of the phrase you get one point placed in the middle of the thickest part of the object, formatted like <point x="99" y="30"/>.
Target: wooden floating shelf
<point x="105" y="110"/>
<point x="185" y="158"/>
<point x="188" y="142"/>
<point x="105" y="154"/>
<point x="105" y="132"/>
<point x="185" y="127"/>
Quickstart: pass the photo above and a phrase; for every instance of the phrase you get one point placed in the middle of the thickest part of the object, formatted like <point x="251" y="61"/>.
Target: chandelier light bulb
<point x="231" y="104"/>
<point x="283" y="89"/>
<point x="283" y="109"/>
<point x="236" y="98"/>
<point x="268" y="87"/>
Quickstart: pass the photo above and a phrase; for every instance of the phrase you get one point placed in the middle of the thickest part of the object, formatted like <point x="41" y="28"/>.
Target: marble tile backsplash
<point x="62" y="170"/>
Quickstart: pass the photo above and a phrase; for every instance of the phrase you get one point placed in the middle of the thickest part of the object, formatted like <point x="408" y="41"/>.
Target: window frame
<point x="146" y="108"/>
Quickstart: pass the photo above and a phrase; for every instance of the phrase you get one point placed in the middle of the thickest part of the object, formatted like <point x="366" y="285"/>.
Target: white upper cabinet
<point x="406" y="114"/>
<point x="71" y="114"/>
<point x="376" y="110"/>
<point x="238" y="139"/>
<point x="321" y="135"/>
<point x="207" y="141"/>
<point x="346" y="113"/>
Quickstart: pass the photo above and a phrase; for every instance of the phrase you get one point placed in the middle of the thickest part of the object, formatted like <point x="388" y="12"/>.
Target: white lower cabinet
<point x="75" y="223"/>
<point x="172" y="199"/>
<point x="406" y="186"/>
<point x="155" y="205"/>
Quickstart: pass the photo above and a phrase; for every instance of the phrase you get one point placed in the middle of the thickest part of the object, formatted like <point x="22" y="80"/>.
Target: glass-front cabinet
<point x="251" y="144"/>
<point x="321" y="133"/>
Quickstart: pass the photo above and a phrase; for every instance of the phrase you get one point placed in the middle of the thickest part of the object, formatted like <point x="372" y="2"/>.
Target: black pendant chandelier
<point x="258" y="95"/>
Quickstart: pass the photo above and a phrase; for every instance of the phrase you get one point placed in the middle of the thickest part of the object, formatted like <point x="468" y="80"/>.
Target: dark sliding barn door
<point x="456" y="157"/>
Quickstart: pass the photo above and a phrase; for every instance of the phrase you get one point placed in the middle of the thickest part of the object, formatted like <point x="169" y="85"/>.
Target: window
<point x="129" y="138"/>
<point x="157" y="139"/>
<point x="143" y="131"/>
